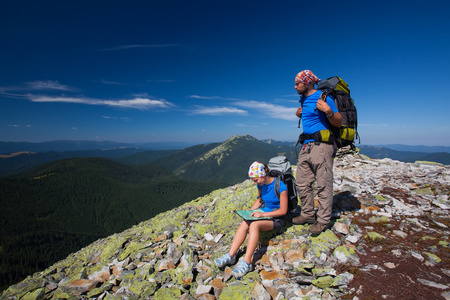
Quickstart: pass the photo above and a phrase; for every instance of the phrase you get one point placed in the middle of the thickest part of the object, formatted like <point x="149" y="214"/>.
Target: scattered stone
<point x="400" y="233"/>
<point x="345" y="254"/>
<point x="341" y="227"/>
<point x="390" y="265"/>
<point x="259" y="292"/>
<point x="432" y="284"/>
<point x="446" y="295"/>
<point x="352" y="239"/>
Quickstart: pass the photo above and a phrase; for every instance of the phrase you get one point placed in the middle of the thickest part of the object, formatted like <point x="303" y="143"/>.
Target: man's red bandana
<point x="306" y="77"/>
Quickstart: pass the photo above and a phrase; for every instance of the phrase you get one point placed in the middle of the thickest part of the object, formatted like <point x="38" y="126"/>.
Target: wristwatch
<point x="330" y="116"/>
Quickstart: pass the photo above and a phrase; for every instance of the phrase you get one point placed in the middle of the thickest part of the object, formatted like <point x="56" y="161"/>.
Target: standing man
<point x="315" y="161"/>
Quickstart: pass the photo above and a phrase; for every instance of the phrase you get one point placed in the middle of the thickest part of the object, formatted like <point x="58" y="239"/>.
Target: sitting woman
<point x="273" y="207"/>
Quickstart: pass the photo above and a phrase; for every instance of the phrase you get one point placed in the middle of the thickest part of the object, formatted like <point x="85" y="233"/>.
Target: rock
<point x="80" y="286"/>
<point x="400" y="233"/>
<point x="432" y="284"/>
<point x="344" y="254"/>
<point x="35" y="295"/>
<point x="317" y="272"/>
<point x="374" y="236"/>
<point x="352" y="239"/>
<point x="446" y="295"/>
<point x="341" y="227"/>
<point x="209" y="237"/>
<point x="203" y="289"/>
<point x="389" y="265"/>
<point x="259" y="292"/>
<point x="323" y="282"/>
<point x="432" y="259"/>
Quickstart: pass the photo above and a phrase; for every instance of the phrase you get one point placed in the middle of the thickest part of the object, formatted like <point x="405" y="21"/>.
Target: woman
<point x="273" y="207"/>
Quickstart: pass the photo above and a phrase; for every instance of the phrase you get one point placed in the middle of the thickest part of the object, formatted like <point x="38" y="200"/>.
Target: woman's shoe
<point x="241" y="269"/>
<point x="225" y="260"/>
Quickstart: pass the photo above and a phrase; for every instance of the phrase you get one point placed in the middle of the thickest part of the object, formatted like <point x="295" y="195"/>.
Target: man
<point x="315" y="161"/>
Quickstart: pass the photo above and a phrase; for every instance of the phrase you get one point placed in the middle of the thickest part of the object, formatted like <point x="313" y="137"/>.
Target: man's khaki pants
<point x="315" y="163"/>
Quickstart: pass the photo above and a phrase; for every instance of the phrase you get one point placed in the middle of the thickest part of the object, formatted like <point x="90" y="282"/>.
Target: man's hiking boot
<point x="317" y="228"/>
<point x="300" y="220"/>
<point x="225" y="260"/>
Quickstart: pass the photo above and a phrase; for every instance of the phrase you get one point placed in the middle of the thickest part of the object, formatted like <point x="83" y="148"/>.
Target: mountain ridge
<point x="225" y="162"/>
<point x="16" y="157"/>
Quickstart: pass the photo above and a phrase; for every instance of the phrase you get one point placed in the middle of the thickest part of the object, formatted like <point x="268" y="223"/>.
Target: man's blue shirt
<point x="314" y="120"/>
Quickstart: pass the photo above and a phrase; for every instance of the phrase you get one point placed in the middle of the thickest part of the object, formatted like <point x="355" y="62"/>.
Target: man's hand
<point x="323" y="106"/>
<point x="299" y="112"/>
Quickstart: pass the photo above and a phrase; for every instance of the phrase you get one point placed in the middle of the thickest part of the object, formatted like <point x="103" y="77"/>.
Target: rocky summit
<point x="388" y="240"/>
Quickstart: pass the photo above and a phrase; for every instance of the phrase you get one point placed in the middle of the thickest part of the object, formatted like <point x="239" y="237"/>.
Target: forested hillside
<point x="229" y="161"/>
<point x="59" y="207"/>
<point x="17" y="162"/>
<point x="169" y="159"/>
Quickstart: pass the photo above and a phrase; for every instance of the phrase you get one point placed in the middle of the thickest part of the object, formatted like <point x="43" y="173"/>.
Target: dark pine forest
<point x="59" y="207"/>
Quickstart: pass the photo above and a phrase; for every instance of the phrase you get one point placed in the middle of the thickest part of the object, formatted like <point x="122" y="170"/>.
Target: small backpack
<point x="280" y="168"/>
<point x="338" y="89"/>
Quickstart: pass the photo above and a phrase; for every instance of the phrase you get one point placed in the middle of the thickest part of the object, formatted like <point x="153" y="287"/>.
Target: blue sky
<point x="203" y="71"/>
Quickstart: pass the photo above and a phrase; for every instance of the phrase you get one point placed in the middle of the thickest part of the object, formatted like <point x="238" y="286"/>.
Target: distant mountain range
<point x="18" y="157"/>
<point x="420" y="148"/>
<point x="67" y="145"/>
<point x="406" y="156"/>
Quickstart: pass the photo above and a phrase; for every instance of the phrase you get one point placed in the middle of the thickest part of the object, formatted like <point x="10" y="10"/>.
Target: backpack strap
<point x="277" y="186"/>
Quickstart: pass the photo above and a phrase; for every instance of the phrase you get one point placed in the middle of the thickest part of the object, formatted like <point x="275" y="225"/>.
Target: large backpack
<point x="280" y="168"/>
<point x="338" y="89"/>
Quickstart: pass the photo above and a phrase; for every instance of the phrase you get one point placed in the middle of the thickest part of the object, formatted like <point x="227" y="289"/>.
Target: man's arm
<point x="334" y="118"/>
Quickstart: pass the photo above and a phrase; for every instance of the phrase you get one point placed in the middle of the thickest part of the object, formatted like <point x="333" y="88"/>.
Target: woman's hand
<point x="257" y="214"/>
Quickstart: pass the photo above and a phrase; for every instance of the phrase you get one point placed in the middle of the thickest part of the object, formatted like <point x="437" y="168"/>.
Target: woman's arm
<point x="258" y="201"/>
<point x="282" y="211"/>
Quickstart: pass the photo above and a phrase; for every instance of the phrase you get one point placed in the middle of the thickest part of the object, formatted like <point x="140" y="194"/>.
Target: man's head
<point x="305" y="81"/>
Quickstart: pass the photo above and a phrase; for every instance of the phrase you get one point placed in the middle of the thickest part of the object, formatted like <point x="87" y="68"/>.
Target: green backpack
<point x="338" y="89"/>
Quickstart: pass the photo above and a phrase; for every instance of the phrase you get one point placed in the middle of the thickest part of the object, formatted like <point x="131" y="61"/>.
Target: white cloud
<point x="17" y="126"/>
<point x="271" y="110"/>
<point x="47" y="85"/>
<point x="204" y="97"/>
<point x="266" y="109"/>
<point x="136" y="103"/>
<point x="109" y="82"/>
<point x="39" y="85"/>
<point x="215" y="110"/>
<point x="214" y="98"/>
<point x="112" y="82"/>
<point x="116" y="118"/>
<point x="161" y="80"/>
